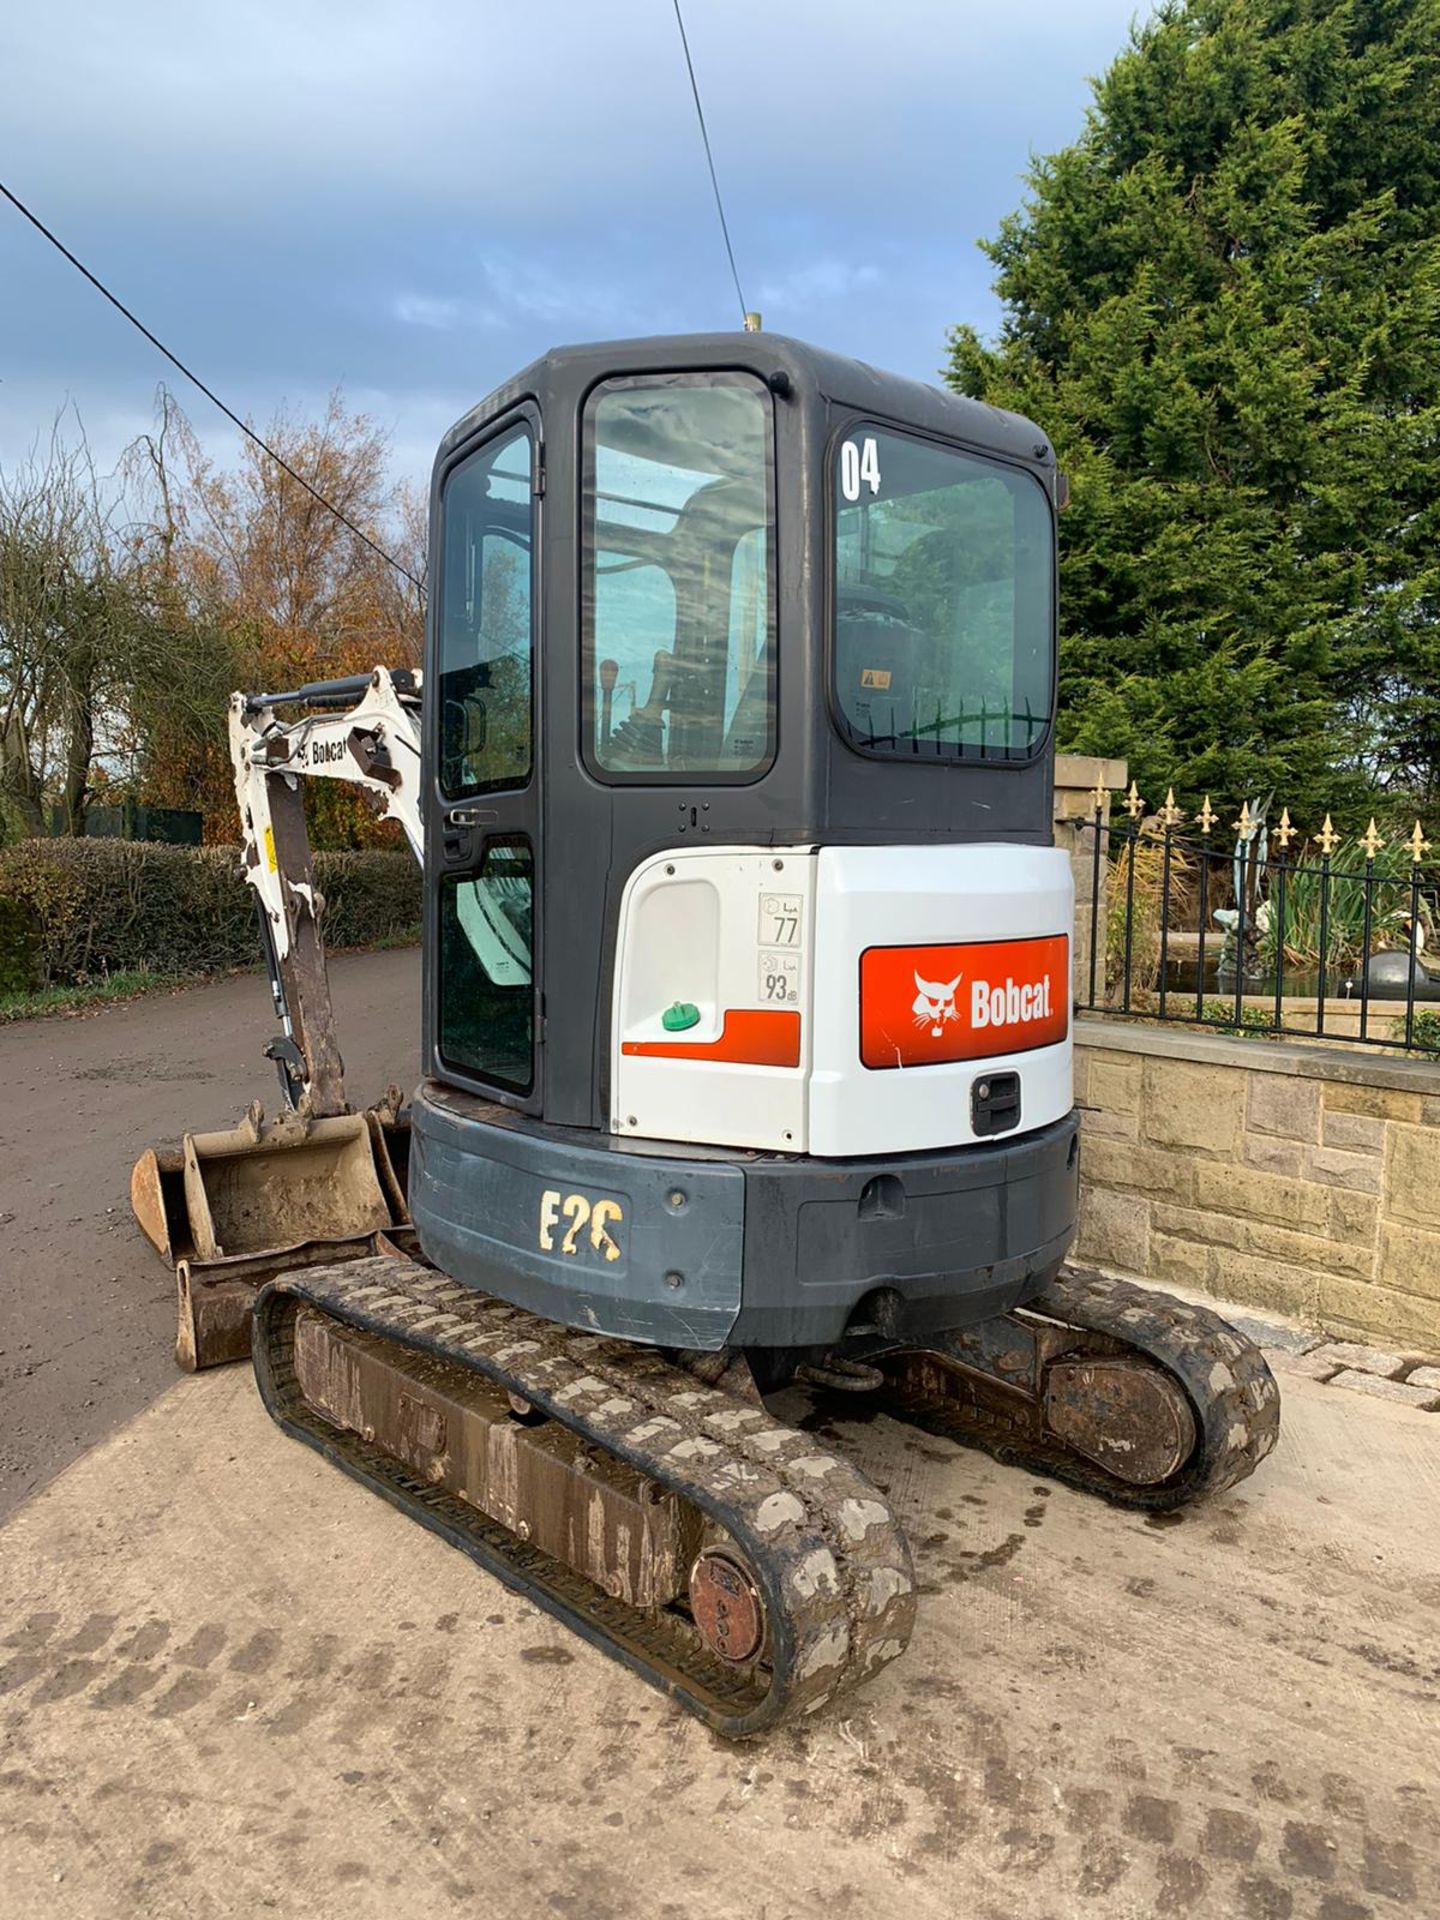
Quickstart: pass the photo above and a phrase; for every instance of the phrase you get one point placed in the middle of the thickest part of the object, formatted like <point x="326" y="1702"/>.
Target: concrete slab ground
<point x="233" y="1683"/>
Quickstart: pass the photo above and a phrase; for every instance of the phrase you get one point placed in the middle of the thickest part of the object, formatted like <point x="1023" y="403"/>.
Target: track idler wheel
<point x="1116" y="1389"/>
<point x="726" y="1607"/>
<point x="1126" y="1415"/>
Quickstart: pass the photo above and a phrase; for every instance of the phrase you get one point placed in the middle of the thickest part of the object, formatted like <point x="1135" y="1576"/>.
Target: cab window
<point x="678" y="604"/>
<point x="486" y="628"/>
<point x="487" y="1003"/>
<point x="943" y="601"/>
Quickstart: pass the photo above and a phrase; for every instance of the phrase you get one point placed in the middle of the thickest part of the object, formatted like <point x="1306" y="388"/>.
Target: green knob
<point x="682" y="1015"/>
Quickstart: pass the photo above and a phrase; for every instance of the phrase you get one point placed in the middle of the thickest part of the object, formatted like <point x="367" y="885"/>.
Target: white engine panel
<point x="925" y="896"/>
<point x="766" y="946"/>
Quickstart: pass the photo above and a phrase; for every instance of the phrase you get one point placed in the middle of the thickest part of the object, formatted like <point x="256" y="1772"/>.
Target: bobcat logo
<point x="934" y="1004"/>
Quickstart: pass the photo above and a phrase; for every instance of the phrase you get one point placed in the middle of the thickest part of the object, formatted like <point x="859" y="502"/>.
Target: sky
<point x="411" y="199"/>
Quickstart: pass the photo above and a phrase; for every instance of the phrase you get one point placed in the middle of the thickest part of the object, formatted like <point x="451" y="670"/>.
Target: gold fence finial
<point x="1207" y="816"/>
<point x="1101" y="795"/>
<point x="1134" y="805"/>
<point x="1170" y="814"/>
<point x="1327" y="837"/>
<point x="1245" y="826"/>
<point x="1372" y="840"/>
<point x="1418" y="844"/>
<point x="1285" y="833"/>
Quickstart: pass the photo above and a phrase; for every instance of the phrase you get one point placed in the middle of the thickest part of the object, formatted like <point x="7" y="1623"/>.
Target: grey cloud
<point x="424" y="310"/>
<point x="816" y="282"/>
<point x="416" y="198"/>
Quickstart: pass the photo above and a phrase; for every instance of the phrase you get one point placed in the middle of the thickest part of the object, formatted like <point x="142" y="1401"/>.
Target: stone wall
<point x="1302" y="1179"/>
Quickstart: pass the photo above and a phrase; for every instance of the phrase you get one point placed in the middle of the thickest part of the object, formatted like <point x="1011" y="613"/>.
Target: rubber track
<point x="826" y="1550"/>
<point x="1225" y="1376"/>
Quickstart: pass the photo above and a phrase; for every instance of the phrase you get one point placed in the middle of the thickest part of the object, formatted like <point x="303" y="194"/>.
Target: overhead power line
<point x="710" y="161"/>
<point x="209" y="393"/>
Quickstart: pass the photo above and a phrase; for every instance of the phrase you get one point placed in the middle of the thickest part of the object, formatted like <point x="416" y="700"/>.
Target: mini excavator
<point x="746" y="1036"/>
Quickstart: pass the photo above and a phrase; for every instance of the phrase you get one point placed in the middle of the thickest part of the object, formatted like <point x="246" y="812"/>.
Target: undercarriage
<point x="717" y="1552"/>
<point x="721" y="1554"/>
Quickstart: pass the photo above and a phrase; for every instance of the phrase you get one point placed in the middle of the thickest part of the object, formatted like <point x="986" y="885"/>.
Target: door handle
<point x="471" y="817"/>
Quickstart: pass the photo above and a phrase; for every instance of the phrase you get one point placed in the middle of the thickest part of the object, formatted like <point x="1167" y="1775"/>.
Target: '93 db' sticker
<point x="779" y="979"/>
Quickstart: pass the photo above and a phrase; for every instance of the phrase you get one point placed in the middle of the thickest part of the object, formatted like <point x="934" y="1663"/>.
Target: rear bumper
<point x="938" y="1239"/>
<point x="710" y="1249"/>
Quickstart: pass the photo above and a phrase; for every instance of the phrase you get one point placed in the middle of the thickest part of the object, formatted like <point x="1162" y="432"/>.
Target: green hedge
<point x="76" y="911"/>
<point x="369" y="896"/>
<point x="19" y="948"/>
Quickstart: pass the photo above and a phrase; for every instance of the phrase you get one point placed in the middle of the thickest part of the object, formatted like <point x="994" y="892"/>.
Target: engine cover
<point x="844" y="1001"/>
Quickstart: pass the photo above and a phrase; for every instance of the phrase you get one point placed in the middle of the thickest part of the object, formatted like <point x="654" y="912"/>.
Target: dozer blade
<point x="233" y="1208"/>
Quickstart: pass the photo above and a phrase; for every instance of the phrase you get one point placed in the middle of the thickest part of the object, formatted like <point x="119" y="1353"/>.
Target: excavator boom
<point x="232" y="1208"/>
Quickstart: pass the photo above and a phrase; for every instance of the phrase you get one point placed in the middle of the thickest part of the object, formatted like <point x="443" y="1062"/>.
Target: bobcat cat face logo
<point x="934" y="1004"/>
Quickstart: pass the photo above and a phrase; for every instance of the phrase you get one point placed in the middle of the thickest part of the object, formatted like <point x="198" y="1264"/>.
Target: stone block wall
<point x="1301" y="1179"/>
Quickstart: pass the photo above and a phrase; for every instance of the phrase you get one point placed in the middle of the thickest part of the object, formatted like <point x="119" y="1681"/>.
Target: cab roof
<point x="563" y="376"/>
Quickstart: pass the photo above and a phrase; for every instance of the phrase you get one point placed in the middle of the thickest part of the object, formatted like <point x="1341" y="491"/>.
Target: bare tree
<point x="96" y="642"/>
<point x="298" y="596"/>
<point x="130" y="604"/>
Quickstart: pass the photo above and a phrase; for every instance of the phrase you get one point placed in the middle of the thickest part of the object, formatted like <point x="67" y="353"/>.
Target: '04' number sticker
<point x="859" y="467"/>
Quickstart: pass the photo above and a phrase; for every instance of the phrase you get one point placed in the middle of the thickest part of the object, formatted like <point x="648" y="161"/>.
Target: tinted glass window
<point x="678" y="603"/>
<point x="487" y="1004"/>
<point x="943" y="601"/>
<point x="486" y="629"/>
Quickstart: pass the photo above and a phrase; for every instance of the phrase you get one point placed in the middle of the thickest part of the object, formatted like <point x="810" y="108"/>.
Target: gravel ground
<point x="233" y="1682"/>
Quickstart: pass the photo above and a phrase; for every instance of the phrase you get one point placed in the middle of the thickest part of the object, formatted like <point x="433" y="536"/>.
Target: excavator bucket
<point x="232" y="1209"/>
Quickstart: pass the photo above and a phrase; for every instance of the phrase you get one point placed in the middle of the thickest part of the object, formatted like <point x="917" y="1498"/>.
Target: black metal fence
<point x="1239" y="930"/>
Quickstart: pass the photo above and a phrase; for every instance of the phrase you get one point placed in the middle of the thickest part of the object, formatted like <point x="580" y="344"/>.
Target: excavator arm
<point x="320" y="1182"/>
<point x="364" y="730"/>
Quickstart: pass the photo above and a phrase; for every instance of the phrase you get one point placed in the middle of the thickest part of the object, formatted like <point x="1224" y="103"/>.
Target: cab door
<point x="483" y="936"/>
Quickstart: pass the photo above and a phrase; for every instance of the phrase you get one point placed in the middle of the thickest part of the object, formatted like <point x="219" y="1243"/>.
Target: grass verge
<point x="99" y="993"/>
<point x="116" y="988"/>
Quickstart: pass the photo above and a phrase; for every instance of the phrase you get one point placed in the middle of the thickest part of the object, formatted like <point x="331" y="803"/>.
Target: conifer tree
<point x="1223" y="303"/>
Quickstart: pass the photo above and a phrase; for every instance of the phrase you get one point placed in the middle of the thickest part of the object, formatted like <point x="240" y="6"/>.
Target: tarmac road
<point x="87" y="1310"/>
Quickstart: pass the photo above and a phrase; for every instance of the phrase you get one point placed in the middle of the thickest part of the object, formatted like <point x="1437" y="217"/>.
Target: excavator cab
<point x="747" y="960"/>
<point x="746" y="1051"/>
